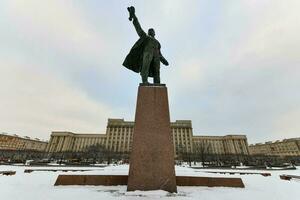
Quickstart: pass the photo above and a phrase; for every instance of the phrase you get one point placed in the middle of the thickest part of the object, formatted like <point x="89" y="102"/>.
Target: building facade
<point x="118" y="138"/>
<point x="286" y="147"/>
<point x="222" y="145"/>
<point x="15" y="142"/>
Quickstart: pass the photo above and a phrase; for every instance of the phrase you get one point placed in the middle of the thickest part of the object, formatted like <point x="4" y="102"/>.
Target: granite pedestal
<point x="152" y="155"/>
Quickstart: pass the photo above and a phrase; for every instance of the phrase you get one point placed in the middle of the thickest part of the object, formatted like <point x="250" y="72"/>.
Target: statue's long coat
<point x="134" y="60"/>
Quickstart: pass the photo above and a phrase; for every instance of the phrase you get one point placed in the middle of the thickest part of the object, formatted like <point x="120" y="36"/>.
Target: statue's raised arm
<point x="136" y="23"/>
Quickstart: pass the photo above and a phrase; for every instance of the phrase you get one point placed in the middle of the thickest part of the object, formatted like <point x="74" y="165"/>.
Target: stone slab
<point x="8" y="173"/>
<point x="288" y="177"/>
<point x="106" y="180"/>
<point x="209" y="181"/>
<point x="113" y="180"/>
<point x="152" y="155"/>
<point x="240" y="173"/>
<point x="55" y="170"/>
<point x="153" y="84"/>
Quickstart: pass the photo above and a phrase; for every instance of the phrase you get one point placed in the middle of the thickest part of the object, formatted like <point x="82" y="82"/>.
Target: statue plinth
<point x="152" y="154"/>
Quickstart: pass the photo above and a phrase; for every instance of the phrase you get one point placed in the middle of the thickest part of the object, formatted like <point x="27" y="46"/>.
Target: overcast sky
<point x="234" y="65"/>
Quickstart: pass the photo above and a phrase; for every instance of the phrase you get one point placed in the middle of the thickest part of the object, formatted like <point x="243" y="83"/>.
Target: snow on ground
<point x="39" y="186"/>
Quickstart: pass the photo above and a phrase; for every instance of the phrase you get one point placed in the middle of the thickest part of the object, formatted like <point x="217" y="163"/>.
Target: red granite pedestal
<point x="152" y="155"/>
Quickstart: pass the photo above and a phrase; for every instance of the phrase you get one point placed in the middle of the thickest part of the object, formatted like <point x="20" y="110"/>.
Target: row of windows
<point x="176" y="130"/>
<point x="123" y="139"/>
<point x="117" y="137"/>
<point x="14" y="144"/>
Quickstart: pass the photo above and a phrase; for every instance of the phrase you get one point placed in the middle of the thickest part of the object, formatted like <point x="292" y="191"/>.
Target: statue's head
<point x="151" y="32"/>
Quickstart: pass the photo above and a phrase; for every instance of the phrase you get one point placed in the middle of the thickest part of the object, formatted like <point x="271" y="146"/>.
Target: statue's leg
<point x="156" y="75"/>
<point x="147" y="58"/>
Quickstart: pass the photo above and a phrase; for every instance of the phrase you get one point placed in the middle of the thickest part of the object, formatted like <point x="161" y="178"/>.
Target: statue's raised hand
<point x="131" y="11"/>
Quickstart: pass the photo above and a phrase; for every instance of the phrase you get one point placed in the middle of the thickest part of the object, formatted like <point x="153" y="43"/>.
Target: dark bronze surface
<point x="145" y="55"/>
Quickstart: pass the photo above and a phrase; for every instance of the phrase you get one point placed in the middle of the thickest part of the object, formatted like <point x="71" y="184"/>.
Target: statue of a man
<point x="145" y="56"/>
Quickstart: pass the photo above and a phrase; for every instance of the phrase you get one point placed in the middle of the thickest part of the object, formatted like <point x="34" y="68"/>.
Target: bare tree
<point x="98" y="152"/>
<point x="202" y="150"/>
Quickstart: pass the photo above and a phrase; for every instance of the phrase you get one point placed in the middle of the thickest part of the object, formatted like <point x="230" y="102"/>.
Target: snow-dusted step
<point x="8" y="173"/>
<point x="113" y="180"/>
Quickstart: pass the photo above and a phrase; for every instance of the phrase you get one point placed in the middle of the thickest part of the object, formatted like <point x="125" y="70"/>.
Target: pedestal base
<point x="152" y="155"/>
<point x="113" y="180"/>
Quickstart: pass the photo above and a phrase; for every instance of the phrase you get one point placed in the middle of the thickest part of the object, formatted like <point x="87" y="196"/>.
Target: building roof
<point x="23" y="138"/>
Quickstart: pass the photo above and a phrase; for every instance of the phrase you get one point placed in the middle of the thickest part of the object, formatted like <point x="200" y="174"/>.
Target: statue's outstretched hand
<point x="131" y="11"/>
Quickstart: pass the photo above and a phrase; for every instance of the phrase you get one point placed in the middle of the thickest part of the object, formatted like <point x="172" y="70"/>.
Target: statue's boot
<point x="156" y="80"/>
<point x="145" y="80"/>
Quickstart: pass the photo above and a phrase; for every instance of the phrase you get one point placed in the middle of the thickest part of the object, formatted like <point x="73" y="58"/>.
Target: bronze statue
<point x="145" y="56"/>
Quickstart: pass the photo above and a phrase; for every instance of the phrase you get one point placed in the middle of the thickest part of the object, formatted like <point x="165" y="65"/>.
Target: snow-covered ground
<point x="39" y="186"/>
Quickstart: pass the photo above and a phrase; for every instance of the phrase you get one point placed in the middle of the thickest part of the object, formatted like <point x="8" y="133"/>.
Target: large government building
<point x="118" y="138"/>
<point x="15" y="142"/>
<point x="286" y="147"/>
